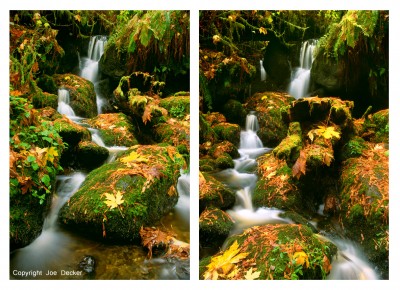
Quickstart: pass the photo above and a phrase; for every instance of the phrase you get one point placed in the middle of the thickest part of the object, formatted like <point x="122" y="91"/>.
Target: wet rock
<point x="43" y="99"/>
<point x="273" y="252"/>
<point x="224" y="147"/>
<point x="116" y="199"/>
<point x="364" y="202"/>
<point x="269" y="106"/>
<point x="174" y="132"/>
<point x="214" y="226"/>
<point x="70" y="132"/>
<point x="276" y="187"/>
<point x="88" y="264"/>
<point x="115" y="129"/>
<point x="227" y="131"/>
<point x="82" y="94"/>
<point x="90" y="155"/>
<point x="289" y="148"/>
<point x="331" y="204"/>
<point x="234" y="112"/>
<point x="214" y="193"/>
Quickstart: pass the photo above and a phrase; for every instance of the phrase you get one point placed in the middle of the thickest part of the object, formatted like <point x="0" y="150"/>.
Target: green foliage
<point x="178" y="111"/>
<point x="352" y="28"/>
<point x="35" y="147"/>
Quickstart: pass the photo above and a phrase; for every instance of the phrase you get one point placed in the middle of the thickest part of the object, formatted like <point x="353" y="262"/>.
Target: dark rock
<point x="88" y="264"/>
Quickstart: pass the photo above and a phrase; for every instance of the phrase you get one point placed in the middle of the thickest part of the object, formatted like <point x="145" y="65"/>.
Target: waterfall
<point x="300" y="80"/>
<point x="90" y="65"/>
<point x="263" y="73"/>
<point x="182" y="208"/>
<point x="63" y="103"/>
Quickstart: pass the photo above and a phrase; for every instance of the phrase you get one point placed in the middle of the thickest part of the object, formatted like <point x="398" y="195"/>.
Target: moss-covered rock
<point x="82" y="94"/>
<point x="315" y="109"/>
<point x="115" y="129"/>
<point x="47" y="84"/>
<point x="145" y="176"/>
<point x="274" y="252"/>
<point x="214" y="193"/>
<point x="207" y="134"/>
<point x="26" y="219"/>
<point x="224" y="147"/>
<point x="90" y="155"/>
<point x="268" y="106"/>
<point x="207" y="164"/>
<point x="276" y="186"/>
<point x="375" y="127"/>
<point x="44" y="99"/>
<point x="289" y="148"/>
<point x="174" y="132"/>
<point x="353" y="148"/>
<point x="364" y="202"/>
<point x="177" y="106"/>
<point x="70" y="132"/>
<point x="224" y="161"/>
<point x="214" y="227"/>
<point x="234" y="112"/>
<point x="227" y="131"/>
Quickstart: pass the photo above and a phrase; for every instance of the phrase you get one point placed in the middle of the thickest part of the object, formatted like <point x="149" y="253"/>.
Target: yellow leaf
<point x="328" y="132"/>
<point x="250" y="275"/>
<point x="77" y="18"/>
<point x="224" y="263"/>
<point x="216" y="39"/>
<point x="51" y="153"/>
<point x="263" y="30"/>
<point x="301" y="258"/>
<point x="133" y="157"/>
<point x="272" y="174"/>
<point x="113" y="201"/>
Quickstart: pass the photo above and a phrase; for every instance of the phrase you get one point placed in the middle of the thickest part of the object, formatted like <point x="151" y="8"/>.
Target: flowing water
<point x="263" y="73"/>
<point x="300" y="80"/>
<point x="350" y="262"/>
<point x="57" y="253"/>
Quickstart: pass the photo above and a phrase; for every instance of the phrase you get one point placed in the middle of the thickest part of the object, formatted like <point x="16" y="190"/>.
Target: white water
<point x="263" y="73"/>
<point x="63" y="103"/>
<point x="182" y="208"/>
<point x="300" y="80"/>
<point x="243" y="180"/>
<point x="90" y="65"/>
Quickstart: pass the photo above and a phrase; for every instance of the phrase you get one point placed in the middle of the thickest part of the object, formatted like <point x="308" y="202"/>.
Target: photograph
<point x="99" y="183"/>
<point x="294" y="144"/>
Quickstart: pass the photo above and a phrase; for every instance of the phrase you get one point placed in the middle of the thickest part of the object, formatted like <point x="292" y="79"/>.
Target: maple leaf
<point x="133" y="157"/>
<point x="77" y="17"/>
<point x="223" y="264"/>
<point x="299" y="167"/>
<point x="113" y="201"/>
<point x="216" y="39"/>
<point x="301" y="258"/>
<point x="250" y="275"/>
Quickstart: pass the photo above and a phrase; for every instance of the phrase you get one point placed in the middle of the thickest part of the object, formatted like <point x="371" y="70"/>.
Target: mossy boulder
<point x="26" y="219"/>
<point x="227" y="131"/>
<point x="177" y="106"/>
<point x="90" y="155"/>
<point x="207" y="164"/>
<point x="234" y="112"/>
<point x="276" y="187"/>
<point x="214" y="193"/>
<point x="274" y="252"/>
<point x="115" y="129"/>
<point x="353" y="148"/>
<point x="315" y="109"/>
<point x="81" y="92"/>
<point x="214" y="227"/>
<point x="364" y="202"/>
<point x="145" y="176"/>
<point x="47" y="84"/>
<point x="374" y="127"/>
<point x="222" y="148"/>
<point x="289" y="148"/>
<point x="174" y="132"/>
<point x="207" y="134"/>
<point x="70" y="132"/>
<point x="43" y="99"/>
<point x="224" y="161"/>
<point x="268" y="106"/>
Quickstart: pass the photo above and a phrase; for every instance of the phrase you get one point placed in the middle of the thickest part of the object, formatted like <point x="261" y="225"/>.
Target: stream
<point x="57" y="253"/>
<point x="349" y="263"/>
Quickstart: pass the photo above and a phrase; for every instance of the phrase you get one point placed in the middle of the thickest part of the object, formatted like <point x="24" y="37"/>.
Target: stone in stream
<point x="174" y="132"/>
<point x="364" y="202"/>
<point x="118" y="198"/>
<point x="82" y="94"/>
<point x="90" y="155"/>
<point x="214" y="225"/>
<point x="283" y="251"/>
<point x="88" y="264"/>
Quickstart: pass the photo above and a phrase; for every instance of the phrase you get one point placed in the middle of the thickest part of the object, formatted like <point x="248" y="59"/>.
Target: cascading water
<point x="300" y="80"/>
<point x="263" y="73"/>
<point x="63" y="103"/>
<point x="90" y="65"/>
<point x="350" y="262"/>
<point x="243" y="180"/>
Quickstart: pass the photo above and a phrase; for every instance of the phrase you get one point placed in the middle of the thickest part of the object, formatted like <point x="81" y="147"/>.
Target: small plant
<point x="178" y="111"/>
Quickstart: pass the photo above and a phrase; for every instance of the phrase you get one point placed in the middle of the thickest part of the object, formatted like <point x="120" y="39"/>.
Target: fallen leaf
<point x="113" y="201"/>
<point x="250" y="275"/>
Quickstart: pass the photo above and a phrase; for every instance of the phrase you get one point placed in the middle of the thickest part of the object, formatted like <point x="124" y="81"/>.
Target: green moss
<point x="224" y="161"/>
<point x="70" y="132"/>
<point x="227" y="131"/>
<point x="289" y="148"/>
<point x="214" y="227"/>
<point x="353" y="148"/>
<point x="214" y="193"/>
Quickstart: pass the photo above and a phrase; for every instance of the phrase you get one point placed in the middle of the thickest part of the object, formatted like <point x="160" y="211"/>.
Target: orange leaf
<point x="299" y="167"/>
